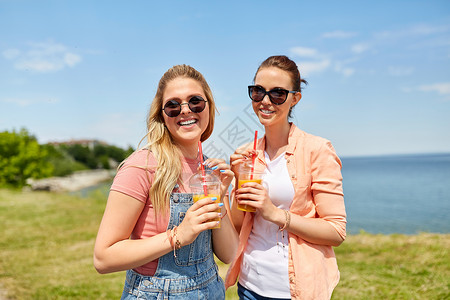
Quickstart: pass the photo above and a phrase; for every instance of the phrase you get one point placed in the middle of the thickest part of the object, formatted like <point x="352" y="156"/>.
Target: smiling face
<point x="186" y="128"/>
<point x="268" y="113"/>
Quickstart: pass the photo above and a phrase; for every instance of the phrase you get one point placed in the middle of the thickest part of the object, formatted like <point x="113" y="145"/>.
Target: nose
<point x="266" y="100"/>
<point x="185" y="108"/>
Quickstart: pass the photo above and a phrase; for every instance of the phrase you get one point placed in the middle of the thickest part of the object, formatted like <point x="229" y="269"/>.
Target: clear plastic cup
<point x="247" y="175"/>
<point x="211" y="183"/>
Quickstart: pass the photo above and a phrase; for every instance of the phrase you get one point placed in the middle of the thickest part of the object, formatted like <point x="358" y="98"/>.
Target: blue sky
<point x="378" y="71"/>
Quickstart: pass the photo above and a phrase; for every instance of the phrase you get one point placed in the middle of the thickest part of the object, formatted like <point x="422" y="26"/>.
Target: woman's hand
<point x="255" y="195"/>
<point x="223" y="170"/>
<point x="240" y="156"/>
<point x="197" y="219"/>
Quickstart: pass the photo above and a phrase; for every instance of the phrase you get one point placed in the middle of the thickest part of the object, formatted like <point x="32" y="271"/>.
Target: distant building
<point x="84" y="142"/>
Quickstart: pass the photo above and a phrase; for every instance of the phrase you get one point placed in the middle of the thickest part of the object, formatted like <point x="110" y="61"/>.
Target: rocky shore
<point x="74" y="182"/>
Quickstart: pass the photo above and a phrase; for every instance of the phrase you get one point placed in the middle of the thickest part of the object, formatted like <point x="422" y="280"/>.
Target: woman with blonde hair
<point x="150" y="226"/>
<point x="285" y="247"/>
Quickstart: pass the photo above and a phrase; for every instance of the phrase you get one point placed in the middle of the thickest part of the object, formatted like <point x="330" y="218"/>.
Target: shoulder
<point x="310" y="142"/>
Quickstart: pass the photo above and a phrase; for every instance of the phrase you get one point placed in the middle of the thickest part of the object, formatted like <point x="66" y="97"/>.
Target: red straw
<point x="254" y="155"/>
<point x="205" y="191"/>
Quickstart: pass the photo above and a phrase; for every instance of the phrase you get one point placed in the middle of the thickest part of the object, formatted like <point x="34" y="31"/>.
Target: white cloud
<point x="39" y="65"/>
<point x="304" y="52"/>
<point x="71" y="59"/>
<point x="360" y="48"/>
<point x="309" y="67"/>
<point x="315" y="62"/>
<point x="442" y="88"/>
<point x="344" y="71"/>
<point x="312" y="61"/>
<point x="415" y="30"/>
<point x="400" y="71"/>
<point x="348" y="71"/>
<point x="406" y="89"/>
<point x="339" y="34"/>
<point x="11" y="53"/>
<point x="43" y="57"/>
<point x="19" y="102"/>
<point x="28" y="102"/>
<point x="425" y="29"/>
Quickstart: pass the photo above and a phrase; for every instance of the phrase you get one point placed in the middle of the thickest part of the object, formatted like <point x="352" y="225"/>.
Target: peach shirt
<point x="315" y="172"/>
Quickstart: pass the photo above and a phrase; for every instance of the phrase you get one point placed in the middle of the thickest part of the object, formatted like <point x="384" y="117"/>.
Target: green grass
<point x="47" y="241"/>
<point x="394" y="267"/>
<point x="46" y="247"/>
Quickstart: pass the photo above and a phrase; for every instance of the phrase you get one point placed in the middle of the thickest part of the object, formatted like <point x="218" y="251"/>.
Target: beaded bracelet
<point x="287" y="214"/>
<point x="177" y="245"/>
<point x="172" y="233"/>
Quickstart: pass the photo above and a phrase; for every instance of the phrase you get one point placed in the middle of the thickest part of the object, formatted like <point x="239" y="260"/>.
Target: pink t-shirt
<point x="134" y="179"/>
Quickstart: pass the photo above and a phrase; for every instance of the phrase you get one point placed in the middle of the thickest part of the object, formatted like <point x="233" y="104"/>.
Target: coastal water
<point x="397" y="194"/>
<point x="390" y="194"/>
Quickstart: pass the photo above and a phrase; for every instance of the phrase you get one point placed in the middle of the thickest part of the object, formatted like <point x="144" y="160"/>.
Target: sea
<point x="405" y="194"/>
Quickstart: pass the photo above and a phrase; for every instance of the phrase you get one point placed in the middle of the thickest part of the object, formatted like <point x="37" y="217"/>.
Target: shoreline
<point x="71" y="183"/>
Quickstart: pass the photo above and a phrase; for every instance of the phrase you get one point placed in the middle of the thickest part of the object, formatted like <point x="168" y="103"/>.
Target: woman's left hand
<point x="255" y="194"/>
<point x="223" y="170"/>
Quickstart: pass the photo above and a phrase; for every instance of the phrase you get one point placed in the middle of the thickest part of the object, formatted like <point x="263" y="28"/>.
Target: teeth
<point x="189" y="122"/>
<point x="266" y="111"/>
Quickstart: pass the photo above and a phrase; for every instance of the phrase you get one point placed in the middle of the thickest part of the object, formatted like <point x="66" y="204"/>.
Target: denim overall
<point x="192" y="274"/>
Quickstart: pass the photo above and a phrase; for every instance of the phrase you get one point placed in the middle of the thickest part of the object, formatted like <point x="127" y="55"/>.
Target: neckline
<point x="274" y="159"/>
<point x="191" y="161"/>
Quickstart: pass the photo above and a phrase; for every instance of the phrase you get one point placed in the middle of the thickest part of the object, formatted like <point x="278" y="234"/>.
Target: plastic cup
<point x="209" y="183"/>
<point x="246" y="175"/>
<point x="202" y="196"/>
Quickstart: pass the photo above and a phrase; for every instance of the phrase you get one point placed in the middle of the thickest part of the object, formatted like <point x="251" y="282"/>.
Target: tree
<point x="63" y="163"/>
<point x="21" y="157"/>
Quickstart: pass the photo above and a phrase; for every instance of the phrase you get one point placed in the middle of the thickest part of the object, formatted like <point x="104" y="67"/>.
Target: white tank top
<point x="264" y="267"/>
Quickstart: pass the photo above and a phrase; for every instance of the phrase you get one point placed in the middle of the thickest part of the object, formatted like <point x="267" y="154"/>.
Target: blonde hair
<point x="160" y="142"/>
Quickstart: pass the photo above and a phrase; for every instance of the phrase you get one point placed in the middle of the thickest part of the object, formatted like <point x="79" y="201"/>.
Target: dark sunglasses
<point x="196" y="104"/>
<point x="277" y="95"/>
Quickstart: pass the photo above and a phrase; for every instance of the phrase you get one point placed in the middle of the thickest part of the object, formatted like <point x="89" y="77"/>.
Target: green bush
<point x="21" y="157"/>
<point x="82" y="154"/>
<point x="97" y="156"/>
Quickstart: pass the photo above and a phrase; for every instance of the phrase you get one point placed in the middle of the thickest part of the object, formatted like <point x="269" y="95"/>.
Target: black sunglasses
<point x="277" y="95"/>
<point x="196" y="104"/>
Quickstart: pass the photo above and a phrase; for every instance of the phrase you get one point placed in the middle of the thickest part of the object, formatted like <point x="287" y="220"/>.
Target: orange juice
<point x="245" y="207"/>
<point x="197" y="197"/>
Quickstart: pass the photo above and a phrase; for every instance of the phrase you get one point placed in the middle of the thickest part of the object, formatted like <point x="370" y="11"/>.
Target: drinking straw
<point x="254" y="155"/>
<point x="205" y="191"/>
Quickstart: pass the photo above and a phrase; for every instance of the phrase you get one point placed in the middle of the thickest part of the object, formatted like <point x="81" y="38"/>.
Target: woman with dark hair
<point x="285" y="247"/>
<point x="150" y="226"/>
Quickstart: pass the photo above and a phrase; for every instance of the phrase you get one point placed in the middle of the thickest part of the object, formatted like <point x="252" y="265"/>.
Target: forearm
<point x="225" y="239"/>
<point x="128" y="254"/>
<point x="237" y="216"/>
<point x="313" y="230"/>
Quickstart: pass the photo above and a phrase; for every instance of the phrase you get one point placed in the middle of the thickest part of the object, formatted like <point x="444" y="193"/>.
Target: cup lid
<point x="198" y="179"/>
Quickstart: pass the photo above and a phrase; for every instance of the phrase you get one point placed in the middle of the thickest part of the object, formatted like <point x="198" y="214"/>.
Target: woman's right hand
<point x="241" y="155"/>
<point x="197" y="219"/>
